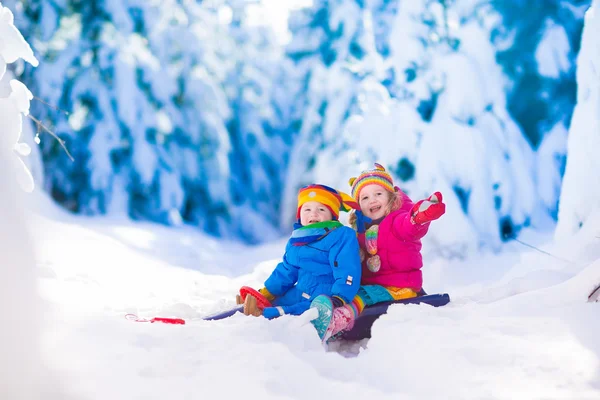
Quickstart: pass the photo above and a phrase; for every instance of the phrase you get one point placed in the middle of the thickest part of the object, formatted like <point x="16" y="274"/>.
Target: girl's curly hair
<point x="394" y="203"/>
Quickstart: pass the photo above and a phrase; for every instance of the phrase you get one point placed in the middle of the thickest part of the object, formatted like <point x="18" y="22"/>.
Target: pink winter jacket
<point x="399" y="249"/>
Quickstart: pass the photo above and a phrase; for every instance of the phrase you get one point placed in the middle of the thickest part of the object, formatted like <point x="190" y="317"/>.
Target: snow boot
<point x="342" y="319"/>
<point x="332" y="321"/>
<point x="324" y="306"/>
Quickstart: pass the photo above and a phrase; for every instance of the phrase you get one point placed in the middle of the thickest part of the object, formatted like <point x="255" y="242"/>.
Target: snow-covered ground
<point x="519" y="326"/>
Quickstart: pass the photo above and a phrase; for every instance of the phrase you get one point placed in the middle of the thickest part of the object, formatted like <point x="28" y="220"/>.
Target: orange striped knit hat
<point x="376" y="176"/>
<point x="329" y="197"/>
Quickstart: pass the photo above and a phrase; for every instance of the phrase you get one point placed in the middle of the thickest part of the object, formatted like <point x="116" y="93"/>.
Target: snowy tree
<point x="442" y="88"/>
<point x="580" y="197"/>
<point x="24" y="375"/>
<point x="444" y="125"/>
<point x="14" y="96"/>
<point x="328" y="46"/>
<point x="152" y="122"/>
<point x="259" y="137"/>
<point x="491" y="171"/>
<point x="98" y="66"/>
<point x="384" y="13"/>
<point x="196" y="140"/>
<point x="537" y="42"/>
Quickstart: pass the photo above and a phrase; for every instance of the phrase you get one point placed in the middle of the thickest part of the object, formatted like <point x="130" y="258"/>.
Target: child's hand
<point x="428" y="210"/>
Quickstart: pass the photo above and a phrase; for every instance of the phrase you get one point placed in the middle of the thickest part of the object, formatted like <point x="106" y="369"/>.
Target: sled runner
<point x="595" y="295"/>
<point x="362" y="325"/>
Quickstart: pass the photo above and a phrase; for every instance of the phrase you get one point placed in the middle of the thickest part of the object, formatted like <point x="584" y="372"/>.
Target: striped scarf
<point x="303" y="235"/>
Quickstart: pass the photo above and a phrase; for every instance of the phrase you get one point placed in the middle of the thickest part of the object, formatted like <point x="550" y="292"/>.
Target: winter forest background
<point x="211" y="113"/>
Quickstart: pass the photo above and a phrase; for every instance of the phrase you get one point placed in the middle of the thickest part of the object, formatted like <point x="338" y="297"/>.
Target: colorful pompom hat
<point x="333" y="199"/>
<point x="376" y="176"/>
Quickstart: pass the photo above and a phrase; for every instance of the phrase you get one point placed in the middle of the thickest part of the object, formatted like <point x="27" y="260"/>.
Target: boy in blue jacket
<point x="321" y="257"/>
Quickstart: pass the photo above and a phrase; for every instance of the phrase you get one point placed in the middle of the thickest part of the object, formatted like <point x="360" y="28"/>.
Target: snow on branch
<point x="15" y="103"/>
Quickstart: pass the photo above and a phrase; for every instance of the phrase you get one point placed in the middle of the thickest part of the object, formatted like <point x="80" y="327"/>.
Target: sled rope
<point x="542" y="251"/>
<point x="133" y="317"/>
<point x="173" y="321"/>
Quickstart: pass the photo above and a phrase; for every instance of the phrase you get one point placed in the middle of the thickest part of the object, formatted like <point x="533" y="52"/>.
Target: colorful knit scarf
<point x="303" y="235"/>
<point x="369" y="228"/>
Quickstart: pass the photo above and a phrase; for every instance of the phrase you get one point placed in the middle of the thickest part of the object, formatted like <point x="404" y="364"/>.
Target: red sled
<point x="172" y="321"/>
<point x="261" y="302"/>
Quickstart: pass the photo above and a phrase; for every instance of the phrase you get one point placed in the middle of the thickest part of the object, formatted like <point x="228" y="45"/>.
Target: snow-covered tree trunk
<point x="580" y="197"/>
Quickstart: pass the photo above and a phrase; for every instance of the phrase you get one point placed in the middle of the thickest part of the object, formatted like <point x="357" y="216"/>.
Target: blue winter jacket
<point x="330" y="266"/>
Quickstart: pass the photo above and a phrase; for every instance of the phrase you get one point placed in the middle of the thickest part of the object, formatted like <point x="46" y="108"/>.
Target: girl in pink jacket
<point x="389" y="228"/>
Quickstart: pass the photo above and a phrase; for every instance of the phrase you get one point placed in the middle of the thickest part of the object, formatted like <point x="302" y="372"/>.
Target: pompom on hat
<point x="376" y="176"/>
<point x="334" y="200"/>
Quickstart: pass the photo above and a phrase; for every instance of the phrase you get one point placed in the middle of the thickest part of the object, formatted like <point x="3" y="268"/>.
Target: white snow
<point x="580" y="198"/>
<point x="518" y="327"/>
<point x="551" y="158"/>
<point x="275" y="13"/>
<point x="552" y="53"/>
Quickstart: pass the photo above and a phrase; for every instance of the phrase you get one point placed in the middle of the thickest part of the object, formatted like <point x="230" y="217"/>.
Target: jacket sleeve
<point x="294" y="309"/>
<point x="282" y="278"/>
<point x="402" y="227"/>
<point x="344" y="258"/>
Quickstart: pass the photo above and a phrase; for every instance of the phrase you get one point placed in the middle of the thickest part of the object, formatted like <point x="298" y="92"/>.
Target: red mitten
<point x="429" y="209"/>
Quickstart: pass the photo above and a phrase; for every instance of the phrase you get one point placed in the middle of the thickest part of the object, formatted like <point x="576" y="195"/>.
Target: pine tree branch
<point x="50" y="105"/>
<point x="40" y="126"/>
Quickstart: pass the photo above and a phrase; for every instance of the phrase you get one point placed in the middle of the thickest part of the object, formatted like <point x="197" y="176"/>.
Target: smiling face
<point x="374" y="201"/>
<point x="312" y="212"/>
